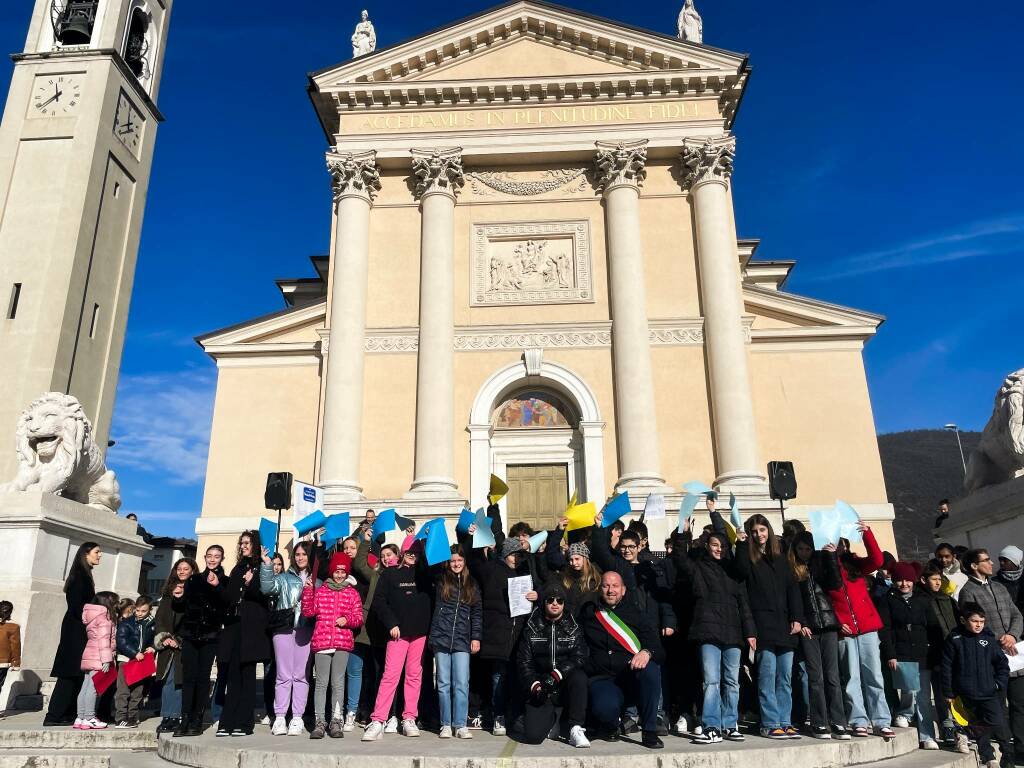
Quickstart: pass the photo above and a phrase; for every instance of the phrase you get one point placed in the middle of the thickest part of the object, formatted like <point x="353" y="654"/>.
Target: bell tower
<point x="76" y="150"/>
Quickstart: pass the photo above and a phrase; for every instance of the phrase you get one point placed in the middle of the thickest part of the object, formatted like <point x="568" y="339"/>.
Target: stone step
<point x="262" y="750"/>
<point x="923" y="758"/>
<point x="50" y="739"/>
<point x="63" y="759"/>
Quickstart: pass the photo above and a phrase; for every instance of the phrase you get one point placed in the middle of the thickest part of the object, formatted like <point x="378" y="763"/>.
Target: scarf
<point x="1014" y="575"/>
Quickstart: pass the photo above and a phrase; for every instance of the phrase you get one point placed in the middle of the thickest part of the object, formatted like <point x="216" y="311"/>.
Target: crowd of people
<point x="724" y="628"/>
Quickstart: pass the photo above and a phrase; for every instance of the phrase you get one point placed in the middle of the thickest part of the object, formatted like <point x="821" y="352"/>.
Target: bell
<point x="75" y="23"/>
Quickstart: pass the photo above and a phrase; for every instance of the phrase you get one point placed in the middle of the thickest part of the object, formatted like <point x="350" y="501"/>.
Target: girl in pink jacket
<point x="338" y="610"/>
<point x="100" y="619"/>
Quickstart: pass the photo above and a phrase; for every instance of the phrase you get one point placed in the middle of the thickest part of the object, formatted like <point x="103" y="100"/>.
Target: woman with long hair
<point x="456" y="629"/>
<point x="167" y="642"/>
<point x="79" y="590"/>
<point x="243" y="643"/>
<point x="291" y="633"/>
<point x="778" y="613"/>
<point x="817" y="573"/>
<point x="579" y="575"/>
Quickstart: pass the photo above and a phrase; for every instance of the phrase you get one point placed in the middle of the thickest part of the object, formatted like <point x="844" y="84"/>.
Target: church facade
<point x="534" y="271"/>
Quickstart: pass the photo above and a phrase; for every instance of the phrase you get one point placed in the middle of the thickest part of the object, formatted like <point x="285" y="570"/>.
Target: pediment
<point x="791" y="317"/>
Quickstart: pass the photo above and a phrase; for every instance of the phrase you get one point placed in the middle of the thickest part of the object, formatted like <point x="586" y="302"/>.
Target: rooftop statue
<point x="689" y="25"/>
<point x="364" y="39"/>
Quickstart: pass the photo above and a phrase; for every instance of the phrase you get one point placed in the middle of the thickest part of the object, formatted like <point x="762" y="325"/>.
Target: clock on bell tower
<point x="76" y="149"/>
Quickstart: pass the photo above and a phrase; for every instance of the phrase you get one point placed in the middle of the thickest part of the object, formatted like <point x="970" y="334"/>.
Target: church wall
<point x="393" y="289"/>
<point x="813" y="408"/>
<point x="684" y="418"/>
<point x="389" y="425"/>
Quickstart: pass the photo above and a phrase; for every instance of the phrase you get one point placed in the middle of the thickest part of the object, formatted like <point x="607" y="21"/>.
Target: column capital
<point x="622" y="163"/>
<point x="354" y="174"/>
<point x="708" y="160"/>
<point x="437" y="171"/>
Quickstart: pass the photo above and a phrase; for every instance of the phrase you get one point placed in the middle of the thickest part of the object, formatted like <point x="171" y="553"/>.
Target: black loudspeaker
<point x="781" y="480"/>
<point x="279" y="491"/>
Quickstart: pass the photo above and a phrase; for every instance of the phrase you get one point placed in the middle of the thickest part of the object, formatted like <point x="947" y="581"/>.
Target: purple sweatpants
<point x="291" y="658"/>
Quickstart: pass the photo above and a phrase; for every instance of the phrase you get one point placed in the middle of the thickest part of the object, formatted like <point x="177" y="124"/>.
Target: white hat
<point x="1013" y="554"/>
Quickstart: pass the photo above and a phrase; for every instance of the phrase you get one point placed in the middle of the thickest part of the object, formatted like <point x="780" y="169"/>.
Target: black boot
<point x="195" y="726"/>
<point x="182" y="728"/>
<point x="650" y="740"/>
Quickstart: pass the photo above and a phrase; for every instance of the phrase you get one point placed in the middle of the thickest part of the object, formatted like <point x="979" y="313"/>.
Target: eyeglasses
<point x="554" y="601"/>
<point x="985" y="560"/>
<point x="628" y="546"/>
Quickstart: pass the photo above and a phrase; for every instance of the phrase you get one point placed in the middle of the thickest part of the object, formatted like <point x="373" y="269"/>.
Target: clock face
<point x="57" y="95"/>
<point x="128" y="123"/>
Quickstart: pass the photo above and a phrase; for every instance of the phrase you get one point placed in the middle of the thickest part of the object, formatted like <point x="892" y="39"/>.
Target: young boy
<point x="134" y="641"/>
<point x="974" y="668"/>
<point x="10" y="643"/>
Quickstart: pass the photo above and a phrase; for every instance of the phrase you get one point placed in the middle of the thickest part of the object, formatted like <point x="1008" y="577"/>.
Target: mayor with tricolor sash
<point x="625" y="658"/>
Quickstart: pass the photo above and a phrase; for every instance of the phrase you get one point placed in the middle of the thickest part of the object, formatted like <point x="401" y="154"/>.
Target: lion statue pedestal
<point x="62" y="496"/>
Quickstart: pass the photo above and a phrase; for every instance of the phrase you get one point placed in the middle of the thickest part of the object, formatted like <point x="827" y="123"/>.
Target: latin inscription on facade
<point x="545" y="262"/>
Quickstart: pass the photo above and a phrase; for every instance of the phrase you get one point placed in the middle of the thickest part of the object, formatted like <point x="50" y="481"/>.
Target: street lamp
<point x="953" y="428"/>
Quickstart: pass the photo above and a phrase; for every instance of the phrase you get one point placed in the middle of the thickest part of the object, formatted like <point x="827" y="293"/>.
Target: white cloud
<point x="162" y="424"/>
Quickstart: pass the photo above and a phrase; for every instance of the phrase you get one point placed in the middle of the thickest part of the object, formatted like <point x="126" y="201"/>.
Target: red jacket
<point x="328" y="605"/>
<point x="852" y="601"/>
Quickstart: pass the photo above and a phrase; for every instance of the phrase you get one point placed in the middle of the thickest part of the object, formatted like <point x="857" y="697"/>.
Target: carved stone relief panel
<point x="558" y="182"/>
<point x="544" y="262"/>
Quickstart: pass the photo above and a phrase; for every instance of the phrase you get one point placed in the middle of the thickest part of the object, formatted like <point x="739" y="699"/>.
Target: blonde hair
<point x="588" y="578"/>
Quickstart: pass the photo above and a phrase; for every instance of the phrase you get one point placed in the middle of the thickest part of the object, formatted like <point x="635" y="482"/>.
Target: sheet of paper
<point x="518" y="586"/>
<point x="1017" y="662"/>
<point x="654" y="508"/>
<point x="483" y="536"/>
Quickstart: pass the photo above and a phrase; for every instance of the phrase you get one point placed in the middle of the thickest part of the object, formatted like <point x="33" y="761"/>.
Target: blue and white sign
<point x="306" y="499"/>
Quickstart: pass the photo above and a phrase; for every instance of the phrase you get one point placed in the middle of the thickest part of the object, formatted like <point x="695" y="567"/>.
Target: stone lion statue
<point x="1000" y="455"/>
<point x="57" y="454"/>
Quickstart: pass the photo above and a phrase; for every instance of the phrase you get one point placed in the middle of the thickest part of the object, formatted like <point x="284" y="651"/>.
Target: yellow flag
<point x="572" y="501"/>
<point x="581" y="516"/>
<point x="497" y="490"/>
<point x="959" y="712"/>
<point x="730" y="531"/>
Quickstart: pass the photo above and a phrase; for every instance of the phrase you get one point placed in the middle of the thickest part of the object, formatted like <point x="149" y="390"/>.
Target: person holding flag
<point x="624" y="660"/>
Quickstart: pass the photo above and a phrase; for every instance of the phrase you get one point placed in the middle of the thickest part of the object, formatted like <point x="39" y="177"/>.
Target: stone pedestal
<point x="41" y="534"/>
<point x="990" y="518"/>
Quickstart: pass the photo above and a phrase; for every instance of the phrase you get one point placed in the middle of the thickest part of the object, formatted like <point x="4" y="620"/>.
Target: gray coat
<point x="1001" y="615"/>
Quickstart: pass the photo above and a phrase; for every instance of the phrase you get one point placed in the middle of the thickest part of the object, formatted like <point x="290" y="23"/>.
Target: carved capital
<point x="708" y="160"/>
<point x="621" y="163"/>
<point x="437" y="171"/>
<point x="354" y="174"/>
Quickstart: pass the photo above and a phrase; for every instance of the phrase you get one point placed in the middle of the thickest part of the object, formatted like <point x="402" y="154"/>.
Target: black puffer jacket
<point x="646" y="578"/>
<point x="607" y="657"/>
<point x="201" y="606"/>
<point x="403" y="599"/>
<point x="819" y="615"/>
<point x="974" y="666"/>
<point x="774" y="597"/>
<point x="455" y="623"/>
<point x="721" y="613"/>
<point x="501" y="631"/>
<point x="904" y="635"/>
<point x="546" y="646"/>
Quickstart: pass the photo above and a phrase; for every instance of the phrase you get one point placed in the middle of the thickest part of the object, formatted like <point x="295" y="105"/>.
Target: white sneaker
<point x="476" y="724"/>
<point x="392" y="725"/>
<point x="499" y="726"/>
<point x="265" y="720"/>
<point x="698" y="730"/>
<point x="446" y="732"/>
<point x="296" y="727"/>
<point x="409" y="728"/>
<point x="78" y="724"/>
<point x="962" y="745"/>
<point x="901" y="722"/>
<point x="463" y="733"/>
<point x="578" y="738"/>
<point x="280" y="727"/>
<point x="681" y="725"/>
<point x="374" y="731"/>
<point x="93" y="724"/>
<point x="929" y="744"/>
<point x="350" y="722"/>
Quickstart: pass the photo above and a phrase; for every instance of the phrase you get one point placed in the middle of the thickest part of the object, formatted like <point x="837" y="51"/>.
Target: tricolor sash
<point x="617" y="628"/>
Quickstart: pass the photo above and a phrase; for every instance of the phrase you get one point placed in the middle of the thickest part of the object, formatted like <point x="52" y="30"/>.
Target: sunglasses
<point x="555" y="601"/>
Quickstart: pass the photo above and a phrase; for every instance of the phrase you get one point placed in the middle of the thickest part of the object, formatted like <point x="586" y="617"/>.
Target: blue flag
<point x="427" y="527"/>
<point x="438" y="549"/>
<point x="310" y="523"/>
<point x="537" y="541"/>
<point x="483" y="536"/>
<point x="686" y="509"/>
<point x="338" y="527"/>
<point x="268" y="535"/>
<point x="615" y="509"/>
<point x="848" y="520"/>
<point x="384" y="522"/>
<point x="734" y="513"/>
<point x="824" y="527"/>
<point x="697" y="487"/>
<point x="466" y="519"/>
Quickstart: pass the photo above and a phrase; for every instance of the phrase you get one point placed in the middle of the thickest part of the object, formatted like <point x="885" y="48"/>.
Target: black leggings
<point x="64" y="699"/>
<point x="240" y="696"/>
<point x="540" y="717"/>
<point x="196" y="665"/>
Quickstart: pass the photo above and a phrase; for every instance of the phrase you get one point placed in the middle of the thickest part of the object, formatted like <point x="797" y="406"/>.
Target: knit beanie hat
<point x="579" y="548"/>
<point x="340" y="560"/>
<point x="903" y="571"/>
<point x="510" y="546"/>
<point x="554" y="588"/>
<point x="1013" y="554"/>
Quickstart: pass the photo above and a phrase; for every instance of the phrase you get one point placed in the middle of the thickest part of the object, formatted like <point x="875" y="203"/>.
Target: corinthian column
<point x="620" y="174"/>
<point x="355" y="180"/>
<point x="439" y="177"/>
<point x="708" y="168"/>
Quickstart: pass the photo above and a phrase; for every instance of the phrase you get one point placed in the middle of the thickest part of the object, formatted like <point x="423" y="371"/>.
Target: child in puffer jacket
<point x="100" y="619"/>
<point x="338" y="610"/>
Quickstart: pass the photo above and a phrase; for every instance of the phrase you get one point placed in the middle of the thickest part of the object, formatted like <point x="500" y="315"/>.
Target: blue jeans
<point x="919" y="704"/>
<point x="608" y="695"/>
<point x="452" y="684"/>
<point x="721" y="666"/>
<point x="354" y="676"/>
<point x="170" y="696"/>
<point x="860" y="662"/>
<point x="775" y="688"/>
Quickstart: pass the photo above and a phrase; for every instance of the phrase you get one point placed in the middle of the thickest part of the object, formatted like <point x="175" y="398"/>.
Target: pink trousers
<point x="404" y="653"/>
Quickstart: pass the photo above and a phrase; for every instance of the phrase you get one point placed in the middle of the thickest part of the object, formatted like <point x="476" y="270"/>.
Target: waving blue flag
<point x="438" y="549"/>
<point x="268" y="535"/>
<point x="384" y="522"/>
<point x="615" y="509"/>
<point x="483" y="536"/>
<point x="466" y="519"/>
<point x="338" y="527"/>
<point x="686" y="508"/>
<point x="310" y="523"/>
<point x="426" y="528"/>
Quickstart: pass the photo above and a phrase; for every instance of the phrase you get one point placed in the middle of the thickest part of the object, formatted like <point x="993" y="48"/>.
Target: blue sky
<point x="878" y="146"/>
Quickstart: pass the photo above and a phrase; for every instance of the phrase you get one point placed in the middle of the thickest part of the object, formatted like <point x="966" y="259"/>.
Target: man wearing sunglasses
<point x="552" y="652"/>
